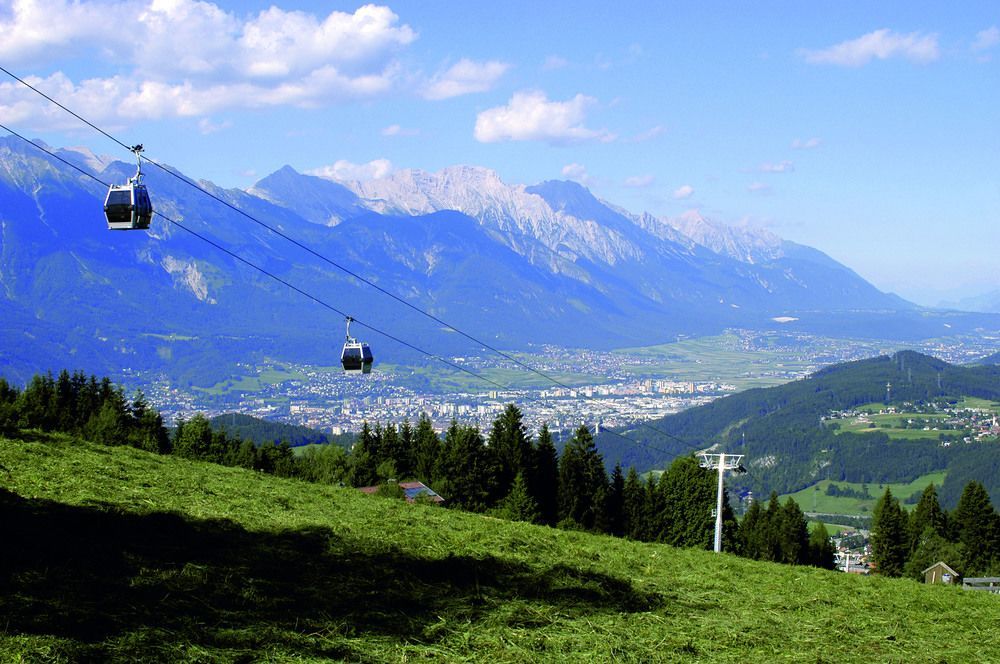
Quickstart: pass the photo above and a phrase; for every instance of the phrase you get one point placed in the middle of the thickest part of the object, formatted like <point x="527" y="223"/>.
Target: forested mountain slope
<point x="788" y="447"/>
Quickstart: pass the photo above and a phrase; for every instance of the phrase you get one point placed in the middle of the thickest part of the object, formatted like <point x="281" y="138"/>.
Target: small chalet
<point x="411" y="491"/>
<point x="940" y="573"/>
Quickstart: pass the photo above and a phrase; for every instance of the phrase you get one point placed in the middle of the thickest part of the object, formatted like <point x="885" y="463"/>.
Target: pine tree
<point x="8" y="408"/>
<point x="977" y="529"/>
<point x="467" y="469"/>
<point x="511" y="448"/>
<point x="687" y="497"/>
<point x="821" y="551"/>
<point x="364" y="458"/>
<point x="634" y="506"/>
<point x="890" y="535"/>
<point x="751" y="535"/>
<point x="405" y="460"/>
<point x="793" y="534"/>
<point x="519" y="505"/>
<point x="194" y="439"/>
<point x="927" y="515"/>
<point x="426" y="448"/>
<point x="581" y="480"/>
<point x="614" y="503"/>
<point x="544" y="478"/>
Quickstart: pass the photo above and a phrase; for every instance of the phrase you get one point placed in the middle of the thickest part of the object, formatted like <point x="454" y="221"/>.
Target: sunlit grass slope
<point x="116" y="554"/>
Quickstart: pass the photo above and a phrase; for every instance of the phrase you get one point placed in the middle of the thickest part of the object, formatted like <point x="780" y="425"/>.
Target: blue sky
<point x="869" y="131"/>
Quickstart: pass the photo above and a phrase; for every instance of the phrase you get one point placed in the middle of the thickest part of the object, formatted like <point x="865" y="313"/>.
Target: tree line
<point x="967" y="538"/>
<point x="506" y="473"/>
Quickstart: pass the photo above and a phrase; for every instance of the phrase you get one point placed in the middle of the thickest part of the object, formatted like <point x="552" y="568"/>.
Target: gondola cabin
<point x="356" y="357"/>
<point x="128" y="207"/>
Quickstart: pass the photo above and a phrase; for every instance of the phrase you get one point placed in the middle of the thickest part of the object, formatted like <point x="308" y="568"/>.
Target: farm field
<point x="814" y="499"/>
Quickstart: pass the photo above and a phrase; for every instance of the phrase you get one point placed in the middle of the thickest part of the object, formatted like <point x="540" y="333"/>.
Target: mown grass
<point x="116" y="554"/>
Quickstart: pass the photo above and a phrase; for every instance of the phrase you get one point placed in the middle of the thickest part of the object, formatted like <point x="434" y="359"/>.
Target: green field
<point x="718" y="358"/>
<point x="120" y="555"/>
<point x="892" y="426"/>
<point x="814" y="499"/>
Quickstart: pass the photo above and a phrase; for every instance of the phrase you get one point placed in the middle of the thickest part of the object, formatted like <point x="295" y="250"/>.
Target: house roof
<point x="411" y="490"/>
<point x="941" y="564"/>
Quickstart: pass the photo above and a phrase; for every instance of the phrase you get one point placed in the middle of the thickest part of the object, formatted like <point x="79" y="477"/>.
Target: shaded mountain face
<point x="512" y="265"/>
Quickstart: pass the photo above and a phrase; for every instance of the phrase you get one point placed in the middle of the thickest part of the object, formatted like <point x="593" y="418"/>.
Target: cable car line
<point x="309" y="296"/>
<point x="298" y="244"/>
<point x="326" y="260"/>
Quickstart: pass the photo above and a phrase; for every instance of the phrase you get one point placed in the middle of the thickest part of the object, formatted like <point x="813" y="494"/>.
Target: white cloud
<point x="806" y="144"/>
<point x="639" y="181"/>
<point x="190" y="58"/>
<point x="682" y="192"/>
<point x="346" y="171"/>
<point x="530" y="116"/>
<point x="465" y="77"/>
<point x="780" y="167"/>
<point x="396" y="130"/>
<point x="986" y="39"/>
<point x="577" y="172"/>
<point x="759" y="188"/>
<point x="882" y="44"/>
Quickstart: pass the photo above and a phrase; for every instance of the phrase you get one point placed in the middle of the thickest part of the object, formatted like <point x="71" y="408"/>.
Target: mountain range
<point x="513" y="265"/>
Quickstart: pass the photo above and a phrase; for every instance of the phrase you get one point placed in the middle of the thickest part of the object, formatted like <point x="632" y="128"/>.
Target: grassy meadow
<point x="114" y="554"/>
<point x="815" y="499"/>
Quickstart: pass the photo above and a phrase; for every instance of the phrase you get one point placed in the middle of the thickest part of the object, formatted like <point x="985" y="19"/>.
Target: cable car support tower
<point x="722" y="462"/>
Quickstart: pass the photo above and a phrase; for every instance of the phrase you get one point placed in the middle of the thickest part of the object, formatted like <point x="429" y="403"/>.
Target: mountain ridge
<point x="513" y="264"/>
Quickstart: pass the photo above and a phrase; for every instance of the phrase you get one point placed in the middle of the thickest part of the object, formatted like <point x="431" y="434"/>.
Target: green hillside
<point x="123" y="555"/>
<point x="790" y="445"/>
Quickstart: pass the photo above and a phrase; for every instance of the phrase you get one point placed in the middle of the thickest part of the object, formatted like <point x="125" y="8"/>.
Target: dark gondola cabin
<point x="128" y="207"/>
<point x="356" y="357"/>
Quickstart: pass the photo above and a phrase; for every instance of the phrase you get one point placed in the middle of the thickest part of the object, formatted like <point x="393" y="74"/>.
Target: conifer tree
<point x="193" y="439"/>
<point x="544" y="478"/>
<point x="688" y="496"/>
<point x="770" y="540"/>
<point x="821" y="551"/>
<point x="426" y="448"/>
<point x="614" y="503"/>
<point x="467" y="469"/>
<point x="364" y="458"/>
<point x="8" y="408"/>
<point x="519" y="505"/>
<point x="927" y="515"/>
<point x="752" y="533"/>
<point x="793" y="534"/>
<point x="404" y="460"/>
<point x="634" y="506"/>
<point x="977" y="529"/>
<point x="581" y="480"/>
<point x="511" y="448"/>
<point x="890" y="535"/>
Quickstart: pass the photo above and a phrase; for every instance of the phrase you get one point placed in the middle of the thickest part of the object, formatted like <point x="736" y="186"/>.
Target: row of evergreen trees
<point x="967" y="539"/>
<point x="93" y="409"/>
<point x="506" y="473"/>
